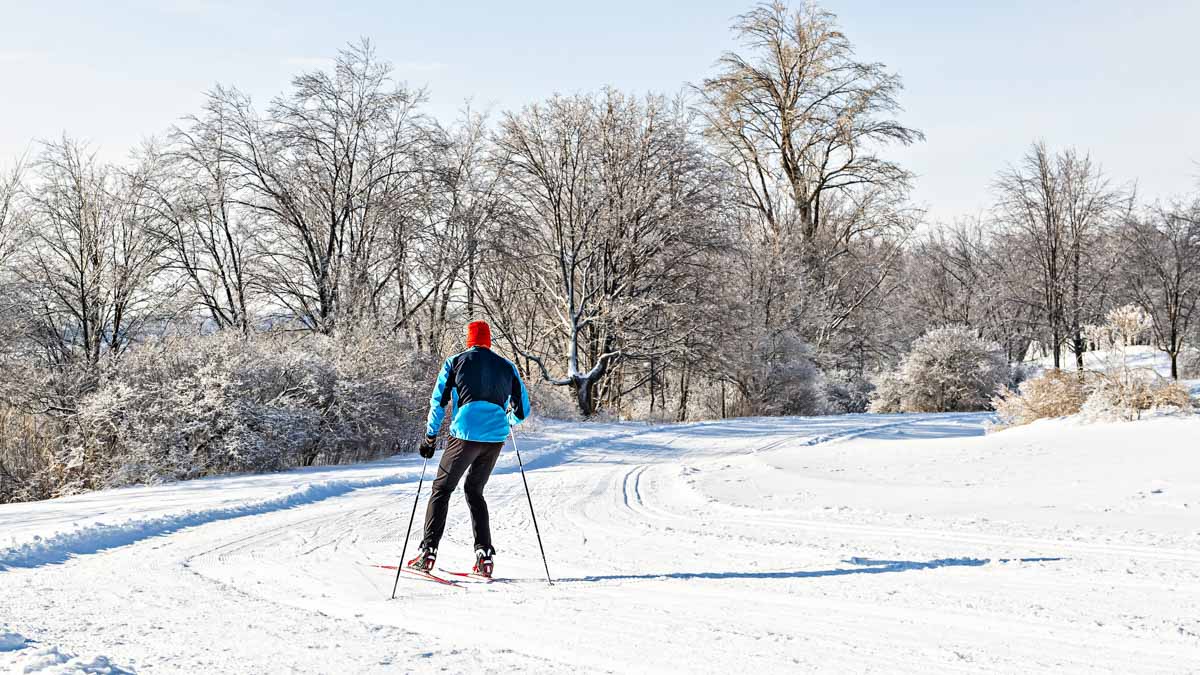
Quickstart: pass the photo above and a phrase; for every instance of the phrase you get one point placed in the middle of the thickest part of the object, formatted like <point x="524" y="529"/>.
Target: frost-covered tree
<point x="612" y="210"/>
<point x="799" y="119"/>
<point x="207" y="236"/>
<point x="1057" y="208"/>
<point x="12" y="232"/>
<point x="330" y="170"/>
<point x="90" y="258"/>
<point x="947" y="370"/>
<point x="801" y="125"/>
<point x="10" y="192"/>
<point x="460" y="212"/>
<point x="1162" y="272"/>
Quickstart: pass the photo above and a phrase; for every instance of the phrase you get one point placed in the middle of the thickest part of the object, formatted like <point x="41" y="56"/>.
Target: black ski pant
<point x="476" y="459"/>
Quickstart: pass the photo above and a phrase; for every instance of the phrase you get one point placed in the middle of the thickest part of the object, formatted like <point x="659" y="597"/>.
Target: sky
<point x="983" y="80"/>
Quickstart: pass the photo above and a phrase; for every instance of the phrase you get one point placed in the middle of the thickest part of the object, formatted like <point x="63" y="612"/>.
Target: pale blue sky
<point x="983" y="79"/>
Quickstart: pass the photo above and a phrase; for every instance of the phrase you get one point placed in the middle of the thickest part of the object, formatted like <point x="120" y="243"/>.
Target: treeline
<point x="1064" y="246"/>
<point x="743" y="247"/>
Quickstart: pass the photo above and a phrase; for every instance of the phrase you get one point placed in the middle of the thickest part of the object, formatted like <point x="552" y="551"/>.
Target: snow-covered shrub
<point x="1121" y="391"/>
<point x="1116" y="391"/>
<point x="947" y="370"/>
<point x="27" y="444"/>
<point x="550" y="401"/>
<point x="888" y="396"/>
<point x="1113" y="400"/>
<point x="1052" y="394"/>
<point x="847" y="392"/>
<point x="777" y="376"/>
<point x="188" y="407"/>
<point x="37" y="404"/>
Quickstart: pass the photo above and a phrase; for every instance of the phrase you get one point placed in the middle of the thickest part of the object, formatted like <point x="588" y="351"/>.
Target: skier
<point x="487" y="398"/>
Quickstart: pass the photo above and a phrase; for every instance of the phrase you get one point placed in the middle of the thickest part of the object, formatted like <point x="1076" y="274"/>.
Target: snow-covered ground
<point x="1137" y="357"/>
<point x="854" y="543"/>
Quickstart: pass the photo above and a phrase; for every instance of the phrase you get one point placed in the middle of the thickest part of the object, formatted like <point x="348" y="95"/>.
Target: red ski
<point x="470" y="575"/>
<point x="416" y="574"/>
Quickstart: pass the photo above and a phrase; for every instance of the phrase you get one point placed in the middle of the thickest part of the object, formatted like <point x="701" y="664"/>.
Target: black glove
<point x="427" y="446"/>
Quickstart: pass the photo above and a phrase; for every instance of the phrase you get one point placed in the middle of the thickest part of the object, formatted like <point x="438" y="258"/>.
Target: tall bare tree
<point x="461" y="210"/>
<point x="802" y="124"/>
<point x="610" y="200"/>
<point x="90" y="260"/>
<point x="329" y="170"/>
<point x="12" y="233"/>
<point x="800" y="119"/>
<point x="10" y="192"/>
<point x="1163" y="272"/>
<point x="208" y="238"/>
<point x="1058" y="206"/>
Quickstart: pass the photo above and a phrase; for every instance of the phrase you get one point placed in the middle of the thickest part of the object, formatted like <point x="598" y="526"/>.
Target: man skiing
<point x="487" y="397"/>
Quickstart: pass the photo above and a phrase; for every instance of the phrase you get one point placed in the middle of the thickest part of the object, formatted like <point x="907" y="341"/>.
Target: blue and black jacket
<point x="481" y="386"/>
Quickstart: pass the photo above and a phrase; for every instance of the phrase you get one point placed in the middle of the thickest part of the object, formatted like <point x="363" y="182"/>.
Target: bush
<point x="847" y="392"/>
<point x="1123" y="392"/>
<point x="775" y="375"/>
<point x="1119" y="392"/>
<point x="947" y="370"/>
<point x="182" y="408"/>
<point x="27" y="444"/>
<point x="1096" y="396"/>
<point x="888" y="397"/>
<point x="1115" y="399"/>
<point x="1052" y="394"/>
<point x="550" y="401"/>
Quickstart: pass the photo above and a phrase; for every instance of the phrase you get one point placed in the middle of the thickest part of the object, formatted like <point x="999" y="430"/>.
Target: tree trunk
<point x="652" y="394"/>
<point x="684" y="390"/>
<point x="584" y="395"/>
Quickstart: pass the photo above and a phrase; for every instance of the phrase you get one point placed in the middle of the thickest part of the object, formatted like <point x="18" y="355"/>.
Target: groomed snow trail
<point x="857" y="543"/>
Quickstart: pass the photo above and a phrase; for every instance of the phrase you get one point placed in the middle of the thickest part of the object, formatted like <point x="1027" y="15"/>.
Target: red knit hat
<point x="479" y="334"/>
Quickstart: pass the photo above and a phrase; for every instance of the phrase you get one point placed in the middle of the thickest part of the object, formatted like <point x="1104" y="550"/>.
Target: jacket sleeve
<point x="442" y="392"/>
<point x="519" y="399"/>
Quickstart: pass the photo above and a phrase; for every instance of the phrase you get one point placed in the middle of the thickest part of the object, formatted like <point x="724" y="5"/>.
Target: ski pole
<point x="531" y="512"/>
<point x="408" y="532"/>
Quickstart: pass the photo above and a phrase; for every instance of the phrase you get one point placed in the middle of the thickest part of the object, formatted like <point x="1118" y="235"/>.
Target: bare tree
<point x="329" y="170"/>
<point x="90" y="260"/>
<point x="1058" y="206"/>
<point x="950" y="276"/>
<point x="10" y="191"/>
<point x="962" y="275"/>
<point x="609" y="196"/>
<point x="460" y="211"/>
<point x="12" y="233"/>
<point x="206" y="234"/>
<point x="1163" y="272"/>
<point x="799" y="118"/>
<point x="800" y="123"/>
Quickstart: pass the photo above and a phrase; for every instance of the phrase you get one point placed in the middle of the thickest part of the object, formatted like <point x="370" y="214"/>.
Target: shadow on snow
<point x="860" y="566"/>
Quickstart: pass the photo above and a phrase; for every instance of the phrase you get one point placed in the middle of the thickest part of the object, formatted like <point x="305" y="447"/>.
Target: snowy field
<point x="1137" y="357"/>
<point x="850" y="544"/>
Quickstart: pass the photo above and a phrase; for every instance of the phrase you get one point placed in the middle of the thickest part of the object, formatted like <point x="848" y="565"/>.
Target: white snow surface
<point x="860" y="543"/>
<point x="1140" y="357"/>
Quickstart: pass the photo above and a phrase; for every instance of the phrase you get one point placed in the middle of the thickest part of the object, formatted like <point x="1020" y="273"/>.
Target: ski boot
<point x="483" y="563"/>
<point x="424" y="561"/>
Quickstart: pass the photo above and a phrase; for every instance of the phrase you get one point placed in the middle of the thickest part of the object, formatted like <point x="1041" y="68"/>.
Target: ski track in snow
<point x="856" y="543"/>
